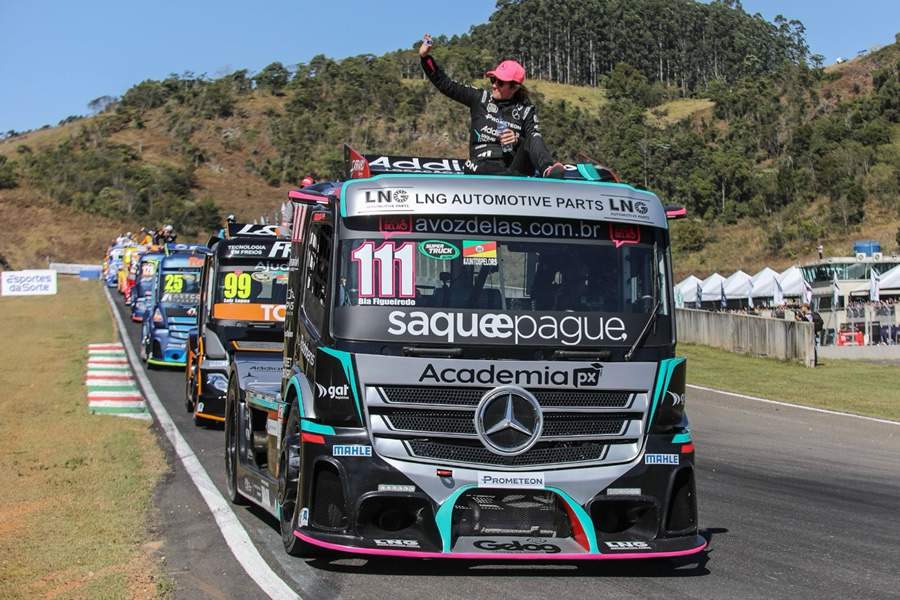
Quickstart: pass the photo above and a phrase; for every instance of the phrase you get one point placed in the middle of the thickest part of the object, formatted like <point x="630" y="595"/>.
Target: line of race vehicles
<point x="418" y="362"/>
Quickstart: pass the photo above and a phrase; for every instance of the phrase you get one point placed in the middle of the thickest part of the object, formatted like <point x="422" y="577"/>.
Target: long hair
<point x="521" y="95"/>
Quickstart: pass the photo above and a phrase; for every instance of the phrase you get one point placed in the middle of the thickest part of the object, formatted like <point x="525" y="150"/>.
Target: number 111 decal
<point x="394" y="262"/>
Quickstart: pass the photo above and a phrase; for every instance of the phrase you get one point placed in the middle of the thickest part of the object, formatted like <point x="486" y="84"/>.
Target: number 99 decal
<point x="237" y="285"/>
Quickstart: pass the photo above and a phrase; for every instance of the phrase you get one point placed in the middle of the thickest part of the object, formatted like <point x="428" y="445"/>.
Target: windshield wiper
<point x="432" y="351"/>
<point x="644" y="331"/>
<point x="581" y="354"/>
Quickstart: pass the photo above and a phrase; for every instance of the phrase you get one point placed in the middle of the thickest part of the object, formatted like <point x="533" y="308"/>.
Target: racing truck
<point x="475" y="367"/>
<point x="241" y="316"/>
<point x="173" y="308"/>
<point x="112" y="264"/>
<point x="142" y="294"/>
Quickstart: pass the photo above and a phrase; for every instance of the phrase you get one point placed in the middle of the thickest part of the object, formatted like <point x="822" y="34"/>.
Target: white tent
<point x="890" y="280"/>
<point x="737" y="286"/>
<point x="712" y="288"/>
<point x="792" y="282"/>
<point x="764" y="283"/>
<point x="688" y="288"/>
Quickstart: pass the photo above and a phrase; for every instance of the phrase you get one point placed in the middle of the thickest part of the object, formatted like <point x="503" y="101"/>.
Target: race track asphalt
<point x="796" y="504"/>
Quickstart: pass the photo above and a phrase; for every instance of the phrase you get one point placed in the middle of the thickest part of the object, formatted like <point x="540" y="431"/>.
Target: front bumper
<point x="167" y="350"/>
<point x="355" y="501"/>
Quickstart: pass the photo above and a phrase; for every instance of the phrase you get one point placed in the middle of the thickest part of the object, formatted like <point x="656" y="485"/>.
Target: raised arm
<point x="452" y="89"/>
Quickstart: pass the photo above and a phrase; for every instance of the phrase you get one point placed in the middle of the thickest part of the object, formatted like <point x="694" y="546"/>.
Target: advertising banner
<point x="28" y="283"/>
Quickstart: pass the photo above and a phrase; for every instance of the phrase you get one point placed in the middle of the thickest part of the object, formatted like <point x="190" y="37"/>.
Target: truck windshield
<point x="428" y="285"/>
<point x="252" y="283"/>
<point x="180" y="286"/>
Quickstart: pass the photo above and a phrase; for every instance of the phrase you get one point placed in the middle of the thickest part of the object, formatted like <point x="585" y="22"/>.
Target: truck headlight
<point x="218" y="382"/>
<point x="669" y="414"/>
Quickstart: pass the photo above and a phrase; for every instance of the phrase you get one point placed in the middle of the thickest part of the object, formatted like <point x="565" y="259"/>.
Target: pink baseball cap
<point x="508" y="70"/>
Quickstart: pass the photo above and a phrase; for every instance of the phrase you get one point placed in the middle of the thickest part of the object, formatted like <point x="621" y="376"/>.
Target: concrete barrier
<point x="757" y="336"/>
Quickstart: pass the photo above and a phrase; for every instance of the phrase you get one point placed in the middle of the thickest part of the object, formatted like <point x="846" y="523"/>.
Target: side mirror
<point x="674" y="212"/>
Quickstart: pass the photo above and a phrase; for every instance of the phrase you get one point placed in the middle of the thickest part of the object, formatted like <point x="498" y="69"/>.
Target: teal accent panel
<point x="262" y="402"/>
<point x="681" y="438"/>
<point x="344" y="357"/>
<point x="588" y="171"/>
<point x="585" y="519"/>
<point x="312" y="427"/>
<point x="663" y="377"/>
<point x="444" y="516"/>
<point x="295" y="383"/>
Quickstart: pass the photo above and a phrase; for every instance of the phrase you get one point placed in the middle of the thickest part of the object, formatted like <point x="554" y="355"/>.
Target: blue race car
<point x="142" y="295"/>
<point x="173" y="310"/>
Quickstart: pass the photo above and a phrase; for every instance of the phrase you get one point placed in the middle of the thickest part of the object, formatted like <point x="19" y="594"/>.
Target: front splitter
<point x="495" y="555"/>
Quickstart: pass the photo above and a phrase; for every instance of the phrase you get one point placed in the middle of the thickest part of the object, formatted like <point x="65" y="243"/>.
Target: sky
<point x="58" y="55"/>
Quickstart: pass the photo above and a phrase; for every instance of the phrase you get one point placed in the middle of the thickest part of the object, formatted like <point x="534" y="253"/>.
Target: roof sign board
<point x="500" y="196"/>
<point x="252" y="230"/>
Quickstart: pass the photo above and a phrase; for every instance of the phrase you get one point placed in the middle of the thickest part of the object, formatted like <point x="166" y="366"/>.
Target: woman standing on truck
<point x="504" y="137"/>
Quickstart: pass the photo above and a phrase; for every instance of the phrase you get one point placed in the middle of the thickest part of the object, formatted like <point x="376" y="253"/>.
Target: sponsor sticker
<point x="351" y="450"/>
<point x="393" y="487"/>
<point x="397" y="543"/>
<point x="448" y="326"/>
<point x="334" y="392"/>
<point x="578" y="377"/>
<point x="518" y="481"/>
<point x="623" y="491"/>
<point x="386" y="198"/>
<point x="661" y="459"/>
<point x="530" y="545"/>
<point x="479" y="252"/>
<point x="438" y="249"/>
<point x="304" y="517"/>
<point x="621" y="234"/>
<point x="629" y="545"/>
<point x="249" y="312"/>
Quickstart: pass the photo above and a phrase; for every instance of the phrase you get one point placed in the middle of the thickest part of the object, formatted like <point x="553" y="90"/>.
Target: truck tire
<point x="288" y="490"/>
<point x="232" y="446"/>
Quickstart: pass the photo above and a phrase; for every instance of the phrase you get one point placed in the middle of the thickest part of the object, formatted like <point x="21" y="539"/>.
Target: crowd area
<point x="148" y="236"/>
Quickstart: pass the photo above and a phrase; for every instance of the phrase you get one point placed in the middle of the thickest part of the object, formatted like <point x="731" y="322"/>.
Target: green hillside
<point x="770" y="153"/>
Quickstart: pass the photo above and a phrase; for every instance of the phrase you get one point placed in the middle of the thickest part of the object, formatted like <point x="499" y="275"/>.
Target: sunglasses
<point x="501" y="83"/>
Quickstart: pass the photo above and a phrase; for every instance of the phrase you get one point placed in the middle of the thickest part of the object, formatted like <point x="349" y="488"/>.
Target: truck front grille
<point x="466" y="396"/>
<point x="555" y="424"/>
<point x="437" y="424"/>
<point x="474" y="453"/>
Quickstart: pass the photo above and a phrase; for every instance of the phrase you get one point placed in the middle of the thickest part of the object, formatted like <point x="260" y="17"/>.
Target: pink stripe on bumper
<point x="491" y="555"/>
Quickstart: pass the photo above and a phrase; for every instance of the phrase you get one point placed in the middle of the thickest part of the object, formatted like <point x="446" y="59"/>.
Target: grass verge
<point x="845" y="385"/>
<point x="77" y="488"/>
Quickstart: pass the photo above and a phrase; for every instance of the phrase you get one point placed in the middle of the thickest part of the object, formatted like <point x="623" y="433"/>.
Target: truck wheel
<point x="189" y="392"/>
<point x="232" y="447"/>
<point x="288" y="488"/>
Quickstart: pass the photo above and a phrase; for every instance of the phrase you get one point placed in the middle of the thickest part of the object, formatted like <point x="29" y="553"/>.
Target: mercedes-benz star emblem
<point x="508" y="420"/>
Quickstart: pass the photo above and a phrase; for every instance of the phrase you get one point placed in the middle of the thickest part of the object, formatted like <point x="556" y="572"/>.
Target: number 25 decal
<point x="391" y="260"/>
<point x="173" y="284"/>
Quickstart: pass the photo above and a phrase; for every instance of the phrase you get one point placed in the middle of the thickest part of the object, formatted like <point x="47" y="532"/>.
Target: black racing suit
<point x="485" y="152"/>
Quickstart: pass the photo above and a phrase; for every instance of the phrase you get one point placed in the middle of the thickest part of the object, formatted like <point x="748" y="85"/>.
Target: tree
<point x="101" y="103"/>
<point x="273" y="78"/>
<point x="8" y="177"/>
